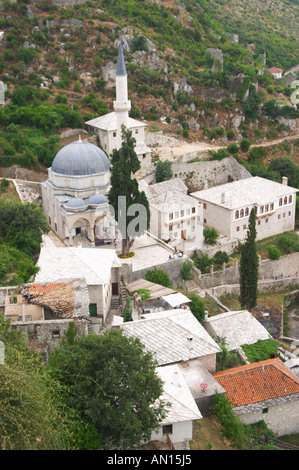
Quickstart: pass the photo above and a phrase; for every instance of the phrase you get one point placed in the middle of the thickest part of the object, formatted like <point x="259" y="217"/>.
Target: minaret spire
<point x="121" y="66"/>
<point x="121" y="105"/>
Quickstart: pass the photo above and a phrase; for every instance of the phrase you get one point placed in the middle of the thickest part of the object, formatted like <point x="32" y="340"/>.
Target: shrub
<point x="261" y="350"/>
<point x="273" y="252"/>
<point x="197" y="307"/>
<point x="233" y="148"/>
<point x="210" y="235"/>
<point x="186" y="271"/>
<point x="244" y="145"/>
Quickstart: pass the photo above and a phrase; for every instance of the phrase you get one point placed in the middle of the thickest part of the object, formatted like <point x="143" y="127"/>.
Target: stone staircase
<point x="191" y="286"/>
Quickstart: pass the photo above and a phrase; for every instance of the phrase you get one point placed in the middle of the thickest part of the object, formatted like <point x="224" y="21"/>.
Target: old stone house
<point x="263" y="391"/>
<point x="99" y="267"/>
<point x="227" y="207"/>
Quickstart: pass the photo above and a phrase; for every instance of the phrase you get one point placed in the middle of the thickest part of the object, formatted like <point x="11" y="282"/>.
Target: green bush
<point x="210" y="235"/>
<point x="233" y="148"/>
<point x="261" y="350"/>
<point x="244" y="145"/>
<point x="273" y="252"/>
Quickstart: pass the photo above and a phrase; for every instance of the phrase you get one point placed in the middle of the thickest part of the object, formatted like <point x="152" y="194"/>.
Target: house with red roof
<point x="263" y="391"/>
<point x="276" y="72"/>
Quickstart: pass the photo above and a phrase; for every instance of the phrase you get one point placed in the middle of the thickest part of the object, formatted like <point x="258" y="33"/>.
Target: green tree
<point x="163" y="170"/>
<point x="128" y="310"/>
<point x="210" y="235"/>
<point x="249" y="267"/>
<point x="125" y="163"/>
<point x="112" y="381"/>
<point x="186" y="271"/>
<point x="158" y="276"/>
<point x="197" y="307"/>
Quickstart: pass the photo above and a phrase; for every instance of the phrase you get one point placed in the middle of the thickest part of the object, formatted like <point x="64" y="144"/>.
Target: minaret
<point x="121" y="105"/>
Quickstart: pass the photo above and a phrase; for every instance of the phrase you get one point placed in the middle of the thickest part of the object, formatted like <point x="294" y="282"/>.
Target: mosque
<point x="75" y="193"/>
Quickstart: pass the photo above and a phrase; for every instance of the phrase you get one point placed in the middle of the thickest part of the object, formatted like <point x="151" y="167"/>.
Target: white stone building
<point x="227" y="207"/>
<point x="75" y="194"/>
<point x="182" y="410"/>
<point x="108" y="126"/>
<point x="100" y="269"/>
<point x="175" y="216"/>
<point x="276" y="72"/>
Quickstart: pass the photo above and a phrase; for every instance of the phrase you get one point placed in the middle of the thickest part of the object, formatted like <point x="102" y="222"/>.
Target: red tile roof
<point x="274" y="70"/>
<point x="257" y="382"/>
<point x="40" y="289"/>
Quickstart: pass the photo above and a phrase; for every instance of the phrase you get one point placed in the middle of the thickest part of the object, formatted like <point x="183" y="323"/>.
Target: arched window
<point x="280" y="201"/>
<point x="290" y="199"/>
<point x="285" y="201"/>
<point x="246" y="212"/>
<point x="237" y="214"/>
<point x="241" y="213"/>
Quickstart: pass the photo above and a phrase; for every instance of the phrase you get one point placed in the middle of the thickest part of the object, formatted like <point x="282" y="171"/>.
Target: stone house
<point x="276" y="72"/>
<point x="99" y="267"/>
<point x="263" y="391"/>
<point x="176" y="217"/>
<point x="236" y="328"/>
<point x="177" y="426"/>
<point x="227" y="207"/>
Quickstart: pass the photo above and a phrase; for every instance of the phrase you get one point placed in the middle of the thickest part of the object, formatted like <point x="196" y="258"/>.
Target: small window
<point x="193" y="210"/>
<point x="167" y="429"/>
<point x="261" y="209"/>
<point x="271" y="206"/>
<point x="204" y="221"/>
<point x="246" y="212"/>
<point x="289" y="213"/>
<point x="285" y="201"/>
<point x="114" y="134"/>
<point x="280" y="201"/>
<point x="267" y="220"/>
<point x="266" y="207"/>
<point x="237" y="214"/>
<point x="238" y="229"/>
<point x="204" y="205"/>
<point x="170" y="227"/>
<point x="279" y="216"/>
<point x="290" y="199"/>
<point x="170" y="216"/>
<point x="144" y="155"/>
<point x="244" y="227"/>
<point x="241" y="213"/>
<point x="259" y="222"/>
<point x="284" y="214"/>
<point x="265" y="410"/>
<point x="55" y="334"/>
<point x="136" y="131"/>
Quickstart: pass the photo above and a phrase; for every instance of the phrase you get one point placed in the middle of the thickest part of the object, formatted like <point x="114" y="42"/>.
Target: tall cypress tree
<point x="249" y="267"/>
<point x="124" y="164"/>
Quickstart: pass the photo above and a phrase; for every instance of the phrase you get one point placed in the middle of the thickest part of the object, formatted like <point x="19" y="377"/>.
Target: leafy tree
<point x="286" y="167"/>
<point x="249" y="267"/>
<point x="273" y="252"/>
<point x="244" y="145"/>
<point x="210" y="235"/>
<point x="158" y="276"/>
<point x="163" y="170"/>
<point x="125" y="163"/>
<point x="197" y="307"/>
<point x="127" y="313"/>
<point x="34" y="414"/>
<point x="112" y="381"/>
<point x="186" y="271"/>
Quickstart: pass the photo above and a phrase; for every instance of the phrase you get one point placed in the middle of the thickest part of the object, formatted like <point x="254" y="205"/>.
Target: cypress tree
<point x="249" y="267"/>
<point x="124" y="164"/>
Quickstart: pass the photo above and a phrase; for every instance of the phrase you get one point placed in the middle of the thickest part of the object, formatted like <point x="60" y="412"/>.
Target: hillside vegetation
<point x="53" y="60"/>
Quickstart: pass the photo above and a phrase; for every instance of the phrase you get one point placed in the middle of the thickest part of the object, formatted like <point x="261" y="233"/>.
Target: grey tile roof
<point x="237" y="328"/>
<point x="166" y="335"/>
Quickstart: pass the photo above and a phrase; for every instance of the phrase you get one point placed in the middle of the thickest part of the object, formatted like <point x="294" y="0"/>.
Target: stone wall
<point x="47" y="335"/>
<point x="282" y="416"/>
<point x="212" y="173"/>
<point x="285" y="267"/>
<point x="171" y="267"/>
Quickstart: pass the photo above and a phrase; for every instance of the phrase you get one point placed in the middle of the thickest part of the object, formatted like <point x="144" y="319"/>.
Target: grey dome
<point x="97" y="199"/>
<point x="80" y="159"/>
<point x="75" y="203"/>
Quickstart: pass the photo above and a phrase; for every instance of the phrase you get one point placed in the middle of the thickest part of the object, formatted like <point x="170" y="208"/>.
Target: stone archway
<point x="81" y="227"/>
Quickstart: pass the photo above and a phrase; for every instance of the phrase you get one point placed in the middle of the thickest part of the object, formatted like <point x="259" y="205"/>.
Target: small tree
<point x="163" y="171"/>
<point x="186" y="271"/>
<point x="210" y="235"/>
<point x="197" y="307"/>
<point x="128" y="310"/>
<point x="158" y="276"/>
<point x="249" y="267"/>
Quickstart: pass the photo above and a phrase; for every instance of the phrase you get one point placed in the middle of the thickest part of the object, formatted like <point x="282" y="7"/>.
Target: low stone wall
<point x="285" y="267"/>
<point x="263" y="286"/>
<point x="171" y="267"/>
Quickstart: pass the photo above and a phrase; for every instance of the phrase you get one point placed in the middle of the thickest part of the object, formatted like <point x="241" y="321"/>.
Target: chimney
<point x="205" y="184"/>
<point x="285" y="180"/>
